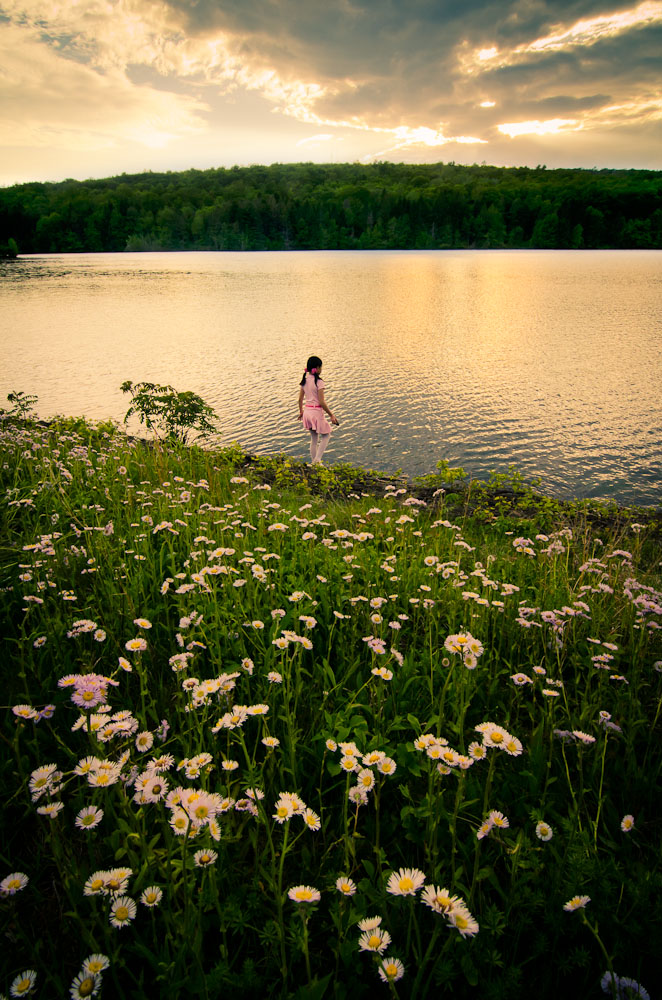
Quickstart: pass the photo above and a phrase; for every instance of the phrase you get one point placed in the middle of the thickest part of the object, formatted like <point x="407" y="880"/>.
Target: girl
<point x="312" y="408"/>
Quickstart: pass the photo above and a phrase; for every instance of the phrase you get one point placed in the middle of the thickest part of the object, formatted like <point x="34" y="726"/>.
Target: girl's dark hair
<point x="312" y="362"/>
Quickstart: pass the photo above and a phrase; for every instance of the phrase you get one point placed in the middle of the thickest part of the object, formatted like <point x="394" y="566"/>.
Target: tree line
<point x="310" y="206"/>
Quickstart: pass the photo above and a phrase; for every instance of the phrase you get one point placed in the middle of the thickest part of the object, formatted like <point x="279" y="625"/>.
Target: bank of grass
<point x="266" y="678"/>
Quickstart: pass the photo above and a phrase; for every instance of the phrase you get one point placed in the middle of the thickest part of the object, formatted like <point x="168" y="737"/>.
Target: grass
<point x="251" y="705"/>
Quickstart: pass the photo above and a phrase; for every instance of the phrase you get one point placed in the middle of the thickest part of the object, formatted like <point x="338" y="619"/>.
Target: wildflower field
<point x="266" y="735"/>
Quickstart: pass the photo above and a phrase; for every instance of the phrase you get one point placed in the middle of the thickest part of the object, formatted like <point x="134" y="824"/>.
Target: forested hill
<point x="347" y="206"/>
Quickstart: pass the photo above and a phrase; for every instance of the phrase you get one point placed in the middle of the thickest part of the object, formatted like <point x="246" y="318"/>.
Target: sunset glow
<point x="552" y="127"/>
<point x="586" y="32"/>
<point x="106" y="88"/>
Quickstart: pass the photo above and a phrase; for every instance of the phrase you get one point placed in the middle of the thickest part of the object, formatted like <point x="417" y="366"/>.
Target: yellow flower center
<point x="86" y="988"/>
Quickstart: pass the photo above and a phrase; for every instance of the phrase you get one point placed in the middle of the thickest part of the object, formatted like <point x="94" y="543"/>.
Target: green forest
<point x="306" y="206"/>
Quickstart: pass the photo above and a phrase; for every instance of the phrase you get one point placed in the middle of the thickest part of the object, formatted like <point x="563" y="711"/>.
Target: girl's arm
<point x="320" y="395"/>
<point x="301" y="403"/>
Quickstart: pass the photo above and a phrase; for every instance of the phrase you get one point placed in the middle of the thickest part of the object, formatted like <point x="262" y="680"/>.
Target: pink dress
<point x="313" y="414"/>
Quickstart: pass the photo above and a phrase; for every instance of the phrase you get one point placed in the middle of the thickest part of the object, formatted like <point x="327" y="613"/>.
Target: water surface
<point x="549" y="360"/>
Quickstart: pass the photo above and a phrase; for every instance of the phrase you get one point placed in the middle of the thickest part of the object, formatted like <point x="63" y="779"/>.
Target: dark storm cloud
<point x="335" y="40"/>
<point x="345" y="33"/>
<point x="390" y="63"/>
<point x="612" y="70"/>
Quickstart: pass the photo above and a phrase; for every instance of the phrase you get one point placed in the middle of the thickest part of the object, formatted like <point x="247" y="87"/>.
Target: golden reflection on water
<point x="549" y="360"/>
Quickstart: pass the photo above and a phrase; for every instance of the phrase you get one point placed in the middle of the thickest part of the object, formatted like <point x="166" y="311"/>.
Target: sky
<point x="96" y="88"/>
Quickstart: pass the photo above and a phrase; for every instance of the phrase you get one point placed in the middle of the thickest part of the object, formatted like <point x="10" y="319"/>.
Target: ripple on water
<point x="544" y="360"/>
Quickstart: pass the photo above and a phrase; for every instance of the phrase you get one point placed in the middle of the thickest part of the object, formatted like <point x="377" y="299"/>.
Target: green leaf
<point x="315" y="990"/>
<point x="469" y="969"/>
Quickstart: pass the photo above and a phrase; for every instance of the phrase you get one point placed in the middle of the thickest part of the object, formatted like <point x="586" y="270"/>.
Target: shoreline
<point x="469" y="495"/>
<point x="341" y="480"/>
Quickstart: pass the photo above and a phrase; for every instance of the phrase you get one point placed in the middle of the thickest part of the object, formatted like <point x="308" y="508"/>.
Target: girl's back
<point x="311" y="390"/>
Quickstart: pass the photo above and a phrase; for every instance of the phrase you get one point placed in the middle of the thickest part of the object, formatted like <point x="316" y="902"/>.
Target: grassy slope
<point x="324" y="544"/>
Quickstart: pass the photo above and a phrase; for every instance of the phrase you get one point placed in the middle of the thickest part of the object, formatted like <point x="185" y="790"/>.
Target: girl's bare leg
<point x="313" y="446"/>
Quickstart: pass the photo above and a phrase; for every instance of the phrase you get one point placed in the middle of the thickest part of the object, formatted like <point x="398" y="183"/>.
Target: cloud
<point x="550" y="127"/>
<point x="322" y="137"/>
<point x="395" y="78"/>
<point x="426" y="72"/>
<point x="580" y="34"/>
<point x="51" y="101"/>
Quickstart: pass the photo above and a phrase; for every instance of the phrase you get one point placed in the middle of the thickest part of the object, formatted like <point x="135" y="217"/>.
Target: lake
<point x="548" y="360"/>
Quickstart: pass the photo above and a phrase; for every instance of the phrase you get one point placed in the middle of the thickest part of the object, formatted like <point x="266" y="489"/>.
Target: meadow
<point x="297" y="732"/>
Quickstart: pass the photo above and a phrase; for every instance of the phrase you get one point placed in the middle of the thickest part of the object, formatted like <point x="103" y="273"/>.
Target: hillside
<point x="346" y="206"/>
